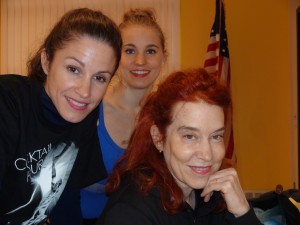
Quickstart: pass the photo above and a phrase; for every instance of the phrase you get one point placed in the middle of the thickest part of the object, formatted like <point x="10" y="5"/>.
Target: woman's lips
<point x="140" y="73"/>
<point x="201" y="170"/>
<point x="76" y="104"/>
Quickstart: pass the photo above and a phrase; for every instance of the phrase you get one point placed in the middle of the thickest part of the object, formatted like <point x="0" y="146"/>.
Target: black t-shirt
<point x="128" y="206"/>
<point x="38" y="158"/>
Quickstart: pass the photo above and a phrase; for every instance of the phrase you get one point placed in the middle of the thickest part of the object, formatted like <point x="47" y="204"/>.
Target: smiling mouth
<point x="140" y="73"/>
<point x="77" y="105"/>
<point x="201" y="170"/>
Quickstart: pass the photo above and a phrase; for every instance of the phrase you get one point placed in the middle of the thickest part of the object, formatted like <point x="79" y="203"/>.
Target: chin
<point x="74" y="119"/>
<point x="198" y="185"/>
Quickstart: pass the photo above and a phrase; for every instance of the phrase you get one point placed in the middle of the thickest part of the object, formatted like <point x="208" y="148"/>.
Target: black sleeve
<point x="9" y="128"/>
<point x="247" y="219"/>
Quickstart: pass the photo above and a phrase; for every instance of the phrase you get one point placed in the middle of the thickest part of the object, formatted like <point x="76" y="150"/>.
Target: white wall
<point x="24" y="24"/>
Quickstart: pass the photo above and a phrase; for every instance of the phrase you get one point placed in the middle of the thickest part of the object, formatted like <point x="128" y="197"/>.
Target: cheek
<point x="177" y="155"/>
<point x="125" y="60"/>
<point x="98" y="93"/>
<point x="219" y="154"/>
<point x="156" y="63"/>
<point x="158" y="60"/>
<point x="175" y="152"/>
<point x="60" y="81"/>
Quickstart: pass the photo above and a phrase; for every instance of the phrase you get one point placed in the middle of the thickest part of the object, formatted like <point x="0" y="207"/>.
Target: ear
<point x="156" y="137"/>
<point x="45" y="62"/>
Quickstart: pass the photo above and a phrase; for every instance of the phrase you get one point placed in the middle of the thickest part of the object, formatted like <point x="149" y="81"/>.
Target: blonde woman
<point x="143" y="56"/>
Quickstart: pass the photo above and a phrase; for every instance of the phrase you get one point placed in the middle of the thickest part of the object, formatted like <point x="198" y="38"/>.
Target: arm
<point x="9" y="136"/>
<point x="249" y="218"/>
<point x="9" y="131"/>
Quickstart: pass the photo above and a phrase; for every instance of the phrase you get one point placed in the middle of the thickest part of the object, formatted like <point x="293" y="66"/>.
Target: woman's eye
<point x="151" y="51"/>
<point x="129" y="51"/>
<point x="189" y="137"/>
<point x="73" y="69"/>
<point x="101" y="79"/>
<point x="218" y="137"/>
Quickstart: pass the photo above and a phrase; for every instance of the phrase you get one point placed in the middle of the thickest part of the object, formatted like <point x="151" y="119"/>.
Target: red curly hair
<point x="142" y="160"/>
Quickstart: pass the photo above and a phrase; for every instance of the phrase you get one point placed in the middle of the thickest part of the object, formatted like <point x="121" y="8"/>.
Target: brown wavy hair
<point x="142" y="160"/>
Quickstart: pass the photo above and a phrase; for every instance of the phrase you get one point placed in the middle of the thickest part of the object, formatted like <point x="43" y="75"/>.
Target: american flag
<point x="217" y="62"/>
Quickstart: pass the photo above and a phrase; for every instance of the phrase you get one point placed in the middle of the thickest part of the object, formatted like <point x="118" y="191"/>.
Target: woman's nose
<point x="204" y="151"/>
<point x="84" y="88"/>
<point x="140" y="59"/>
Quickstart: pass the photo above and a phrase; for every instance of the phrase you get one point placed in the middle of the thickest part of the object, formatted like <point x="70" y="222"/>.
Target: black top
<point x="127" y="206"/>
<point x="40" y="153"/>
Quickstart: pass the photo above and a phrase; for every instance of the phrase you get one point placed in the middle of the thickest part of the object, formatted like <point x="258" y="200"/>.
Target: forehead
<point x="140" y="33"/>
<point x="81" y="41"/>
<point x="197" y="113"/>
<point x="85" y="45"/>
<point x="92" y="53"/>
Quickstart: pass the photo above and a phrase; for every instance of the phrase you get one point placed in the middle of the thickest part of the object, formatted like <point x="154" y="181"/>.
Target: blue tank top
<point x="93" y="198"/>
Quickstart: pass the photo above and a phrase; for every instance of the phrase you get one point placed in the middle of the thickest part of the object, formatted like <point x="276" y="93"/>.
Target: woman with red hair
<point x="170" y="171"/>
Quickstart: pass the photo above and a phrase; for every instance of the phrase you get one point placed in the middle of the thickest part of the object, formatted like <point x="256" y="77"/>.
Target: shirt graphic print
<point x="47" y="172"/>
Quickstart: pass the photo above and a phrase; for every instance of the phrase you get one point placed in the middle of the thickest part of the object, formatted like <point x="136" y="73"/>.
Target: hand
<point x="227" y="182"/>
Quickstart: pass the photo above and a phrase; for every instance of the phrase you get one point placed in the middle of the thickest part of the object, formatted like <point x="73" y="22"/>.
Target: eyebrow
<point x="83" y="65"/>
<point x="196" y="129"/>
<point x="77" y="60"/>
<point x="152" y="45"/>
<point x="148" y="46"/>
<point x="218" y="130"/>
<point x="102" y="72"/>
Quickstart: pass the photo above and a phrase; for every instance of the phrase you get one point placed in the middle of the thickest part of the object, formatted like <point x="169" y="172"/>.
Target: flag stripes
<point x="217" y="63"/>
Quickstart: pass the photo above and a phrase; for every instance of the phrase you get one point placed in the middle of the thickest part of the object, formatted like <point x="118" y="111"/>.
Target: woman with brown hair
<point x="48" y="121"/>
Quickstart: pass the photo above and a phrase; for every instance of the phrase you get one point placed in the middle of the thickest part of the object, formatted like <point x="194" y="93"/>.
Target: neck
<point x="126" y="97"/>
